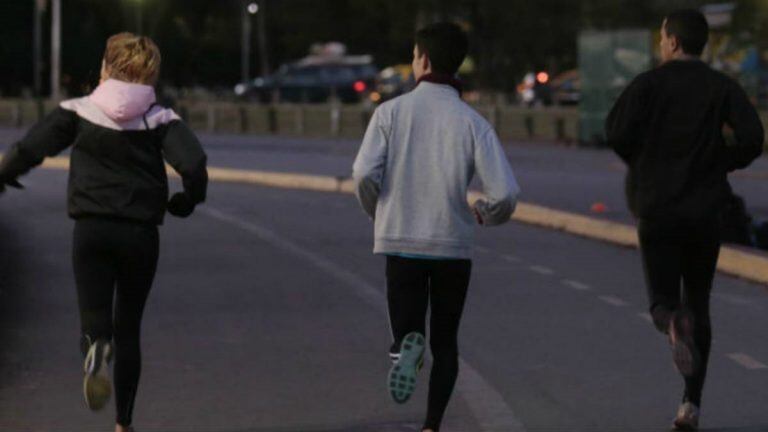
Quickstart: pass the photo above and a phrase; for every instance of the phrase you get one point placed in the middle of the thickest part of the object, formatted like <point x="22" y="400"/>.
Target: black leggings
<point x="682" y="250"/>
<point x="412" y="285"/>
<point x="115" y="260"/>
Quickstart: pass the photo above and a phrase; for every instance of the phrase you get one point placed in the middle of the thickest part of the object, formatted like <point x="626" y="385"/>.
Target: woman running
<point x="117" y="195"/>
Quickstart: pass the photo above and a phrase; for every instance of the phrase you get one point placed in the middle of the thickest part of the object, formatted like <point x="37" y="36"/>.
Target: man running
<point x="419" y="154"/>
<point x="667" y="126"/>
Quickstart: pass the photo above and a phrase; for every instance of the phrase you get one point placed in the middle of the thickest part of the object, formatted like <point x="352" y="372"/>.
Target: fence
<point x="345" y="121"/>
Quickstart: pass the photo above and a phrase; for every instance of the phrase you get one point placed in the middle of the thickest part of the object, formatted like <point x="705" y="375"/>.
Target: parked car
<point x="566" y="88"/>
<point x="315" y="79"/>
<point x="540" y="89"/>
<point x="392" y="82"/>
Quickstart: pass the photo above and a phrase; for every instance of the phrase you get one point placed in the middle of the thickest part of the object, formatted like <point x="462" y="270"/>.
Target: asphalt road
<point x="268" y="314"/>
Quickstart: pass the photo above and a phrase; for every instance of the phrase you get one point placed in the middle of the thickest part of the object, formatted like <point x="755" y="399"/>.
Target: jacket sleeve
<point x="368" y="169"/>
<point x="499" y="184"/>
<point x="49" y="137"/>
<point x="624" y="125"/>
<point x="183" y="151"/>
<point x="742" y="117"/>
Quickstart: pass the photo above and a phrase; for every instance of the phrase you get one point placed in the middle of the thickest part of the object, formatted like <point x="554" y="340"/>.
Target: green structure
<point x="608" y="61"/>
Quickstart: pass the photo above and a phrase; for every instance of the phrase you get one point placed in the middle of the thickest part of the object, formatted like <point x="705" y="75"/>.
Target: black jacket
<point x="668" y="127"/>
<point x="117" y="169"/>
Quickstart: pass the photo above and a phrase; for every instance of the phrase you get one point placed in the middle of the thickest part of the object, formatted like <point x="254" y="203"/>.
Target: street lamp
<point x="245" y="60"/>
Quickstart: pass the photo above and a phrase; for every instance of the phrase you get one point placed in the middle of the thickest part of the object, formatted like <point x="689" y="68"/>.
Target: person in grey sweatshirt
<point x="418" y="157"/>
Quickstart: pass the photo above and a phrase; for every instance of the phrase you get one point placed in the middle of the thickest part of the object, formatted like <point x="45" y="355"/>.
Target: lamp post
<point x="56" y="49"/>
<point x="248" y="9"/>
<point x="37" y="65"/>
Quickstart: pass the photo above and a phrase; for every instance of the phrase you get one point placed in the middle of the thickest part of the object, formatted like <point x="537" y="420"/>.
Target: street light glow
<point x="253" y="8"/>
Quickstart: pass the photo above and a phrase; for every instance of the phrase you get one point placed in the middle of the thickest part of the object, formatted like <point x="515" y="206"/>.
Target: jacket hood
<point x="122" y="101"/>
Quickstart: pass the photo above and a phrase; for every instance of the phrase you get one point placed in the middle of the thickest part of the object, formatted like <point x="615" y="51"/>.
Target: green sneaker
<point x="402" y="375"/>
<point x="97" y="387"/>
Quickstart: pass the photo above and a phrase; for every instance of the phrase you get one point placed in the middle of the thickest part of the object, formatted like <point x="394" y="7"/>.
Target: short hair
<point x="445" y="44"/>
<point x="132" y="58"/>
<point x="690" y="28"/>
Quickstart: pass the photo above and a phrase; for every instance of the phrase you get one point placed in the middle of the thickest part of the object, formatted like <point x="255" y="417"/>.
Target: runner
<point x="117" y="195"/>
<point x="418" y="157"/>
<point x="668" y="128"/>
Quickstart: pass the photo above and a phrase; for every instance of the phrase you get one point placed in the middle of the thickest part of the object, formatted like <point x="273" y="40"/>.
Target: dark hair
<point x="445" y="44"/>
<point x="689" y="27"/>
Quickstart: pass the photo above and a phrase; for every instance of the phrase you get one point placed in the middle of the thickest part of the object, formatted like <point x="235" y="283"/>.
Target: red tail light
<point x="359" y="86"/>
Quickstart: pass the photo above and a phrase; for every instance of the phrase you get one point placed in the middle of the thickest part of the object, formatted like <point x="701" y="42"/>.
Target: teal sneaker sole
<point x="402" y="375"/>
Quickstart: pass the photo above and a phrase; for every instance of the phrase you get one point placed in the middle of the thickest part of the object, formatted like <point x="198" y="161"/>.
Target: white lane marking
<point x="487" y="405"/>
<point x="646" y="316"/>
<point x="613" y="301"/>
<point x="491" y="411"/>
<point x="510" y="258"/>
<point x="578" y="286"/>
<point x="482" y="249"/>
<point x="747" y="361"/>
<point x="546" y="271"/>
<point x="732" y="299"/>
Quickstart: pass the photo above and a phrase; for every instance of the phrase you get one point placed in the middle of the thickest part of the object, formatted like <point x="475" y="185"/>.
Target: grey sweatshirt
<point x="419" y="155"/>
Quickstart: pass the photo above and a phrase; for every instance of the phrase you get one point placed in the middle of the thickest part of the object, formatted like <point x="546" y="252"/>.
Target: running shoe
<point x="687" y="417"/>
<point x="402" y="375"/>
<point x="97" y="387"/>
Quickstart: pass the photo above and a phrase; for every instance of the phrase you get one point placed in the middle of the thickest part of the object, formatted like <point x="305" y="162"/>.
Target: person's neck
<point x="684" y="57"/>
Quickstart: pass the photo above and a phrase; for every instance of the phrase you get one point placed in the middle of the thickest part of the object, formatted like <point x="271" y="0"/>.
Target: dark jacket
<point x="667" y="126"/>
<point x="117" y="167"/>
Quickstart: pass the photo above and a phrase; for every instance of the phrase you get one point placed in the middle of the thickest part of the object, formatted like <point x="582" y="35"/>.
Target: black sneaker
<point x="684" y="350"/>
<point x="97" y="387"/>
<point x="402" y="375"/>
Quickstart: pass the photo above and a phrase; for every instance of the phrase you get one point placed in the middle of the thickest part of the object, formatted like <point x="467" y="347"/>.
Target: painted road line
<point x="578" y="286"/>
<point x="546" y="271"/>
<point x="732" y="261"/>
<point x="747" y="361"/>
<point x="613" y="300"/>
<point x="646" y="316"/>
<point x="510" y="258"/>
<point x="487" y="405"/>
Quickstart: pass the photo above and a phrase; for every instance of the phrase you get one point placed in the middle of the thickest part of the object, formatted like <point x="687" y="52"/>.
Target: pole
<point x="263" y="37"/>
<point x="56" y="50"/>
<point x="37" y="61"/>
<point x="245" y="45"/>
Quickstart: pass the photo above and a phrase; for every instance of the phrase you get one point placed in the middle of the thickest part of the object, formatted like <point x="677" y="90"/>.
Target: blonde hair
<point x="132" y="58"/>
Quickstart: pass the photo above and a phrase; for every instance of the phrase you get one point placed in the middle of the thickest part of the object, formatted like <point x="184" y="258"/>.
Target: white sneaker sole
<point x="97" y="388"/>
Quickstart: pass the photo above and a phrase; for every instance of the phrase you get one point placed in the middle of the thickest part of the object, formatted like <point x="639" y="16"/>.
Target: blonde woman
<point x="118" y="195"/>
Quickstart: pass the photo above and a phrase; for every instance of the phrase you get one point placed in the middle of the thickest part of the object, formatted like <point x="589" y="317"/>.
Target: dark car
<point x="347" y="80"/>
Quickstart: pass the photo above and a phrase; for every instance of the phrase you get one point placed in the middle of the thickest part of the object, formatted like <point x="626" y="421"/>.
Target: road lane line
<point x="487" y="405"/>
<point x="510" y="258"/>
<point x="646" y="316"/>
<point x="546" y="271"/>
<point x="747" y="361"/>
<point x="613" y="300"/>
<point x="578" y="286"/>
